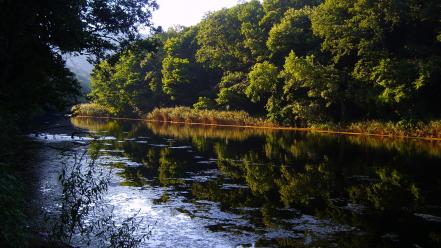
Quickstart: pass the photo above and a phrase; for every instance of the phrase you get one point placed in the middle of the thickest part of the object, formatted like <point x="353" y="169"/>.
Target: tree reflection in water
<point x="377" y="186"/>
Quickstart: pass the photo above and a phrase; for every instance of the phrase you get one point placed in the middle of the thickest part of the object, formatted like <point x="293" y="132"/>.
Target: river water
<point x="204" y="186"/>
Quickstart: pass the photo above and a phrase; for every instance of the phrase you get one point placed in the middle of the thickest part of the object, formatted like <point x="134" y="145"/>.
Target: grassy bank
<point x="430" y="129"/>
<point x="16" y="155"/>
<point x="91" y="109"/>
<point x="211" y="117"/>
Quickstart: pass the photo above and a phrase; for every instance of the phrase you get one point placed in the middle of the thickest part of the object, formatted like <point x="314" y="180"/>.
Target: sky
<point x="186" y="12"/>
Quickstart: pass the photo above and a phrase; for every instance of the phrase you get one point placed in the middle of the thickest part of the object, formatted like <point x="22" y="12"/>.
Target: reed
<point x="430" y="129"/>
<point x="91" y="109"/>
<point x="186" y="115"/>
<point x="204" y="116"/>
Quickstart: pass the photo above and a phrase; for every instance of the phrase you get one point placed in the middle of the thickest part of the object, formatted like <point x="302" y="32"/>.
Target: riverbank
<point x="430" y="130"/>
<point x="13" y="151"/>
<point x="210" y="117"/>
<point x="21" y="222"/>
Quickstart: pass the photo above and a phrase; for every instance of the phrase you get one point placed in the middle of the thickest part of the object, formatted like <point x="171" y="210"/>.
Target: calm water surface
<point x="199" y="186"/>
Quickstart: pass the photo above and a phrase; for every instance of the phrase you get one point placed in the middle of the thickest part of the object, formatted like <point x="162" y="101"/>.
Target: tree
<point x="310" y="89"/>
<point x="184" y="79"/>
<point x="293" y="33"/>
<point x="231" y="95"/>
<point x="264" y="88"/>
<point x="221" y="44"/>
<point x="204" y="103"/>
<point x="389" y="45"/>
<point x="124" y="83"/>
<point x="275" y="9"/>
<point x="254" y="34"/>
<point x="174" y="80"/>
<point x="339" y="61"/>
<point x="34" y="34"/>
<point x="263" y="81"/>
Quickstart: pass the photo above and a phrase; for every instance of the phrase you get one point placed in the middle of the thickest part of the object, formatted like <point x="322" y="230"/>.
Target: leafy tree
<point x="231" y="94"/>
<point x="378" y="59"/>
<point x="34" y="34"/>
<point x="390" y="45"/>
<point x="204" y="103"/>
<point x="221" y="42"/>
<point x="151" y="65"/>
<point x="310" y="88"/>
<point x="101" y="90"/>
<point x="254" y="34"/>
<point x="275" y="9"/>
<point x="174" y="80"/>
<point x="122" y="86"/>
<point x="263" y="81"/>
<point x="183" y="76"/>
<point x="231" y="98"/>
<point x="293" y="33"/>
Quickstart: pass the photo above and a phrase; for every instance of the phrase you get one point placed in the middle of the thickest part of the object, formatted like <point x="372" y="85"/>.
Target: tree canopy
<point x="309" y="61"/>
<point x="35" y="34"/>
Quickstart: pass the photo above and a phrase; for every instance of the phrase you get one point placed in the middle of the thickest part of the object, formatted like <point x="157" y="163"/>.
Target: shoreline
<point x="306" y="129"/>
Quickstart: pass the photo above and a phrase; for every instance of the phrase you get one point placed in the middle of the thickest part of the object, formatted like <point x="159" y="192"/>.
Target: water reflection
<point x="285" y="188"/>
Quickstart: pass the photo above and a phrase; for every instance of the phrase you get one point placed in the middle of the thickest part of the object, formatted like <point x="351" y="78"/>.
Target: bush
<point x="204" y="103"/>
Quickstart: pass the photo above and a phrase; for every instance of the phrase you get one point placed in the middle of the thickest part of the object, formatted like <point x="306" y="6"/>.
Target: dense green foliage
<point x="298" y="62"/>
<point x="35" y="37"/>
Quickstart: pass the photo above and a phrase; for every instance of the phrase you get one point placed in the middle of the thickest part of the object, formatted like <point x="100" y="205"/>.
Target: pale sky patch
<point x="186" y="12"/>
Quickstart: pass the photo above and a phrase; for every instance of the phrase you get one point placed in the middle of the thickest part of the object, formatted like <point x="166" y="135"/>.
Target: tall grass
<point x="431" y="129"/>
<point x="204" y="116"/>
<point x="91" y="109"/>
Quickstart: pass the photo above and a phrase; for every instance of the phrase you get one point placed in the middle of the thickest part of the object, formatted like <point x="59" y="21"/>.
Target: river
<point x="205" y="186"/>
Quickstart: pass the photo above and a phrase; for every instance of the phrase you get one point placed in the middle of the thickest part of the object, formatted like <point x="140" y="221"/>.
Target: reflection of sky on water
<point x="177" y="222"/>
<point x="187" y="184"/>
<point x="169" y="227"/>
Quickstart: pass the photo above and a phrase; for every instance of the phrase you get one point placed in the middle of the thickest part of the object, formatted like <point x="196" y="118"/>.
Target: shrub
<point x="204" y="103"/>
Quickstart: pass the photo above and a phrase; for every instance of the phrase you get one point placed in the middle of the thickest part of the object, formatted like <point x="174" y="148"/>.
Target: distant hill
<point x="82" y="69"/>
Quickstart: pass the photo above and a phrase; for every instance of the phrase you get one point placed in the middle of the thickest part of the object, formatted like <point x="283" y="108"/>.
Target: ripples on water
<point x="225" y="187"/>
